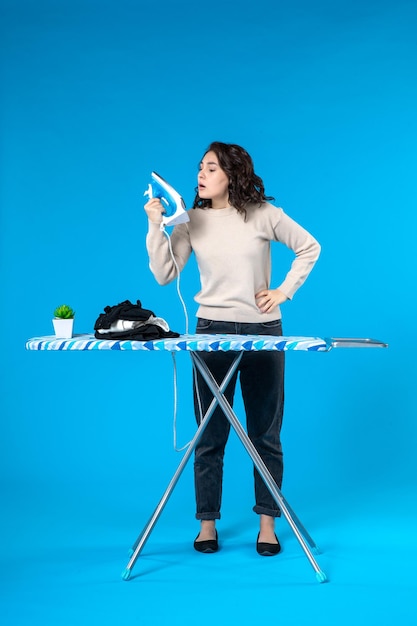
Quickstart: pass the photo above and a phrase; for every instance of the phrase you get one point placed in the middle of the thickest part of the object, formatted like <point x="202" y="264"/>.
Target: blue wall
<point x="95" y="96"/>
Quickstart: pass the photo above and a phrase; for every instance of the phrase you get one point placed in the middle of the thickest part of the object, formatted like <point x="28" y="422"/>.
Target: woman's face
<point x="213" y="182"/>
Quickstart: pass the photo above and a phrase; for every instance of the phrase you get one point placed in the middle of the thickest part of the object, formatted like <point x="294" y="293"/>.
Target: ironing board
<point x="212" y="343"/>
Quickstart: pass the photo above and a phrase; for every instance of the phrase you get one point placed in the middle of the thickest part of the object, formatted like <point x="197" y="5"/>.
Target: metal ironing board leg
<point x="314" y="547"/>
<point x="259" y="464"/>
<point x="144" y="535"/>
<point x="218" y="390"/>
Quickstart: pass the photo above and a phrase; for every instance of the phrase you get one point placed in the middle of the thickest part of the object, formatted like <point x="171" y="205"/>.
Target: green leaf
<point x="65" y="312"/>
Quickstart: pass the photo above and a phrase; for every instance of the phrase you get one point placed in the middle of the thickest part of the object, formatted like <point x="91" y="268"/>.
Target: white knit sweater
<point x="233" y="258"/>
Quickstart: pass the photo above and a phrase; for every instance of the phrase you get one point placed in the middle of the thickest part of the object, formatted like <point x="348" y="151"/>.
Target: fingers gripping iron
<point x="174" y="206"/>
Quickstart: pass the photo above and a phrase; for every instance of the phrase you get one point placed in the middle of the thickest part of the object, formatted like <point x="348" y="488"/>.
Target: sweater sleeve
<point x="161" y="262"/>
<point x="305" y="247"/>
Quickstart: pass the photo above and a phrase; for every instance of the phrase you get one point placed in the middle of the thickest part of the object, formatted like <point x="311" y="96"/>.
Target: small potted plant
<point x="63" y="321"/>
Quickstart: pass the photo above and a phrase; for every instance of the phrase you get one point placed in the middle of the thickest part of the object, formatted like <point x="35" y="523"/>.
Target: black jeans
<point x="262" y="385"/>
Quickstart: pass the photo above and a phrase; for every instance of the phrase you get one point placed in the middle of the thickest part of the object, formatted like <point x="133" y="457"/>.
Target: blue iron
<point x="174" y="206"/>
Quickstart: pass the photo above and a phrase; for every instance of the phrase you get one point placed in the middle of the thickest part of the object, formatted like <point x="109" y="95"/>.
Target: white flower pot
<point x="63" y="328"/>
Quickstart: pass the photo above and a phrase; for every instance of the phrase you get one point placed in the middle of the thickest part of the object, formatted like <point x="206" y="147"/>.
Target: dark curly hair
<point x="245" y="187"/>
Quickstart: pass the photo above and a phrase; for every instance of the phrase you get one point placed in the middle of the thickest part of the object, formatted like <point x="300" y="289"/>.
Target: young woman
<point x="230" y="231"/>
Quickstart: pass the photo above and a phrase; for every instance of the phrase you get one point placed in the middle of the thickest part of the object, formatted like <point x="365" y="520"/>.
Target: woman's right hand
<point x="154" y="210"/>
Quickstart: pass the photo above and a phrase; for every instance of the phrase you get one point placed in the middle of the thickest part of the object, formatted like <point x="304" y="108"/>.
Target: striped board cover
<point x="191" y="343"/>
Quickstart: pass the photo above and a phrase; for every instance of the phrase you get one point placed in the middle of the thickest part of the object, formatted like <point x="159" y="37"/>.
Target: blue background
<point x="97" y="94"/>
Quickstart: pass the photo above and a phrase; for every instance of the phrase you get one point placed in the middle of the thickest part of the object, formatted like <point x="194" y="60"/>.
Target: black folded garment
<point x="126" y="311"/>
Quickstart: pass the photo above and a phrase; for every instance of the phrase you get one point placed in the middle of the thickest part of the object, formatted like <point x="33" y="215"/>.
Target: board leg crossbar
<point x="306" y="542"/>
